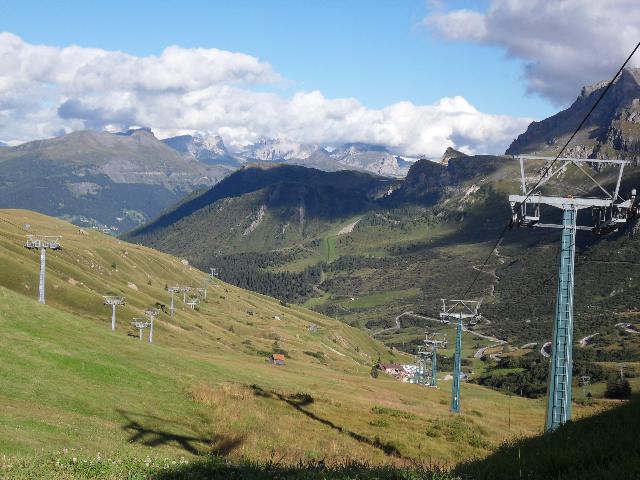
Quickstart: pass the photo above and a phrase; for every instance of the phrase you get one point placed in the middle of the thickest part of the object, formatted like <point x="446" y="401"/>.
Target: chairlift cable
<point x="548" y="168"/>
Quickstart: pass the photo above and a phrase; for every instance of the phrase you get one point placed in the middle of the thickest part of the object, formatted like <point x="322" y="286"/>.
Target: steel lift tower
<point x="421" y="377"/>
<point x="458" y="309"/>
<point x="140" y="324"/>
<point x="610" y="212"/>
<point x="172" y="291"/>
<point x="435" y="340"/>
<point x="113" y="301"/>
<point x="42" y="243"/>
<point x="151" y="314"/>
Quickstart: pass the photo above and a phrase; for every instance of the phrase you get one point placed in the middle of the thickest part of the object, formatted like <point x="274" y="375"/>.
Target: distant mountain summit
<point x="351" y="156"/>
<point x="371" y="158"/>
<point x="613" y="129"/>
<point x="209" y="149"/>
<point x="100" y="178"/>
<point x="277" y="150"/>
<point x="451" y="153"/>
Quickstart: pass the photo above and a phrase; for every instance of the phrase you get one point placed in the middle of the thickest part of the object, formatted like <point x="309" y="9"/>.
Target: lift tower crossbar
<point x="610" y="212"/>
<point x="113" y="301"/>
<point x="42" y="243"/>
<point x="458" y="309"/>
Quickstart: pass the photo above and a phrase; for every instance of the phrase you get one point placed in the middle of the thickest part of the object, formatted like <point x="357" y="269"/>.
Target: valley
<point x="72" y="382"/>
<point x="317" y="241"/>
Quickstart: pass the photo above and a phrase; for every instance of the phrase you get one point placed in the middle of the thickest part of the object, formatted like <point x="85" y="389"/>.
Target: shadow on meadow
<point x="300" y="400"/>
<point x="217" y="445"/>
<point x="603" y="446"/>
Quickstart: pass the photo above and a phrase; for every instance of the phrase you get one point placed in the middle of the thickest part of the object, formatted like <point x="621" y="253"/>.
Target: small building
<point x="276" y="359"/>
<point x="391" y="368"/>
<point x="395" y="370"/>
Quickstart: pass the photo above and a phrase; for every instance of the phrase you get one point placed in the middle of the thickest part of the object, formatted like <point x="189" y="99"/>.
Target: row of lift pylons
<point x="610" y="212"/>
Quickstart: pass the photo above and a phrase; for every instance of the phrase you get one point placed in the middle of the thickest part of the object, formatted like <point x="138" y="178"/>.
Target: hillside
<point x="613" y="130"/>
<point x="73" y="386"/>
<point x="285" y="202"/>
<point x="100" y="179"/>
<point x="400" y="253"/>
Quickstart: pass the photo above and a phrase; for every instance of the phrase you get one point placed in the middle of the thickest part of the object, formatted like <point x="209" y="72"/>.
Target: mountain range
<point x="368" y="249"/>
<point x="211" y="149"/>
<point x="100" y="179"/>
<point x="123" y="180"/>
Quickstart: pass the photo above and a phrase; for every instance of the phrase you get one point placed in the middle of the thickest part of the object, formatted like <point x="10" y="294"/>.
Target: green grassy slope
<point x="424" y="243"/>
<point x="68" y="382"/>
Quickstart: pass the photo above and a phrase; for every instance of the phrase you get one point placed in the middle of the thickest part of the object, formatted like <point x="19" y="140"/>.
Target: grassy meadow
<point x="70" y="388"/>
<point x="69" y="384"/>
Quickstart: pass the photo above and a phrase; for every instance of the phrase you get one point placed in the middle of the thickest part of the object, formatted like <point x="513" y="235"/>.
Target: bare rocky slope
<point x="613" y="130"/>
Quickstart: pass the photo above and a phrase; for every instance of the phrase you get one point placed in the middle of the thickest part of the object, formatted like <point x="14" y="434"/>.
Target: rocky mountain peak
<point x="451" y="153"/>
<point x="613" y="129"/>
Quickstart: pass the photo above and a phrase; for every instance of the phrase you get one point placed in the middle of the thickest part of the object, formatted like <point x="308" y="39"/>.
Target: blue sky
<point x="415" y="76"/>
<point x="375" y="50"/>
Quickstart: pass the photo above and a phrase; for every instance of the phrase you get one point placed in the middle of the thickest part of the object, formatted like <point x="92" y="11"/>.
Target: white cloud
<point x="46" y="90"/>
<point x="564" y="44"/>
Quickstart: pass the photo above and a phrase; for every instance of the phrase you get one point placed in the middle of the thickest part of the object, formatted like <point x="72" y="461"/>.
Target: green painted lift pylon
<point x="560" y="394"/>
<point x="457" y="361"/>
<point x="458" y="310"/>
<point x="610" y="212"/>
<point x="433" y="340"/>
<point x="434" y="367"/>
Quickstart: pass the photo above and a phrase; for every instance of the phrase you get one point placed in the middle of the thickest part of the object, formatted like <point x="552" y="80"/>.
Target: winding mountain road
<point x="543" y="350"/>
<point x="627" y="327"/>
<point x="584" y="341"/>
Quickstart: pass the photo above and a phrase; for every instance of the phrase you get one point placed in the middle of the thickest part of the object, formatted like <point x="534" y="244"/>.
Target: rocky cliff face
<point x="613" y="130"/>
<point x="451" y="153"/>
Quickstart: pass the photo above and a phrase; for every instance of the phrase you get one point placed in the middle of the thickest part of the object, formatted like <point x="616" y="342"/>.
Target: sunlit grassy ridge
<point x="68" y="382"/>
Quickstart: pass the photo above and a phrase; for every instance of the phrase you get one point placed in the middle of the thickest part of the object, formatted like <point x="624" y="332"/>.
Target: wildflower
<point x="74" y="459"/>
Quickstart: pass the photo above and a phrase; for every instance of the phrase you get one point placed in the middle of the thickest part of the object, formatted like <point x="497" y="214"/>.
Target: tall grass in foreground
<point x="68" y="466"/>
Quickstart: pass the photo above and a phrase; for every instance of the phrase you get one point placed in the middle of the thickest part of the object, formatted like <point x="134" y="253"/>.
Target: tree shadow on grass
<point x="219" y="445"/>
<point x="300" y="400"/>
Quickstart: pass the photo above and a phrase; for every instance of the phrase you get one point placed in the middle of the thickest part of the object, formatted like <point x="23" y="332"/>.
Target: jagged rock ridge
<point x="612" y="130"/>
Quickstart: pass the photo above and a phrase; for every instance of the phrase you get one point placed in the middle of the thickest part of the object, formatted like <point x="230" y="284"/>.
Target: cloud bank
<point x="565" y="44"/>
<point x="46" y="91"/>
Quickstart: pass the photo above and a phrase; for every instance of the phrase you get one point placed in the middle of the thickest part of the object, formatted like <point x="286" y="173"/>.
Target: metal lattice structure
<point x="610" y="212"/>
<point x="434" y="341"/>
<point x="113" y="301"/>
<point x="42" y="243"/>
<point x="458" y="310"/>
<point x="422" y="375"/>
